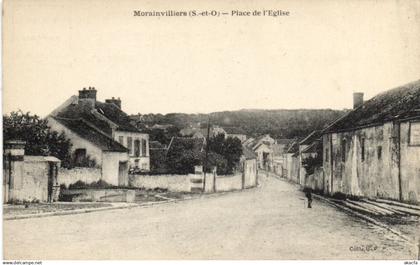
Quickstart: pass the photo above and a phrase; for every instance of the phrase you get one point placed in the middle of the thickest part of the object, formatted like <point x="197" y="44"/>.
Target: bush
<point x="100" y="184"/>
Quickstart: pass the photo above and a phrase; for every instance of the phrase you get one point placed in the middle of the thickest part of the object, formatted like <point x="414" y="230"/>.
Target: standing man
<point x="308" y="195"/>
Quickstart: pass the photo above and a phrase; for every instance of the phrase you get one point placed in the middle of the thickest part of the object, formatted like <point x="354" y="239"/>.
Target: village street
<point x="268" y="222"/>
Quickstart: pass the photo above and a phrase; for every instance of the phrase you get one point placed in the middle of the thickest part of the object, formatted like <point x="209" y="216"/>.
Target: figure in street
<point x="308" y="195"/>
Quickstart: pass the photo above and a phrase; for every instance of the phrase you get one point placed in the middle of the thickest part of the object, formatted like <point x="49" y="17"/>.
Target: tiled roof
<point x="247" y="153"/>
<point x="399" y="103"/>
<point x="315" y="135"/>
<point x="101" y="116"/>
<point x="87" y="132"/>
<point x="294" y="147"/>
<point x="313" y="147"/>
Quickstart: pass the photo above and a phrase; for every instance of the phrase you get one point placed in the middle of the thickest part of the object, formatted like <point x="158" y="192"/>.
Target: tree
<point x="163" y="136"/>
<point x="229" y="148"/>
<point x="182" y="157"/>
<point x="40" y="140"/>
<point x="218" y="161"/>
<point x="310" y="163"/>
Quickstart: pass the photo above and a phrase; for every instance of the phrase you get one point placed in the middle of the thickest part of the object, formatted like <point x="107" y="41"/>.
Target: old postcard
<point x="239" y="130"/>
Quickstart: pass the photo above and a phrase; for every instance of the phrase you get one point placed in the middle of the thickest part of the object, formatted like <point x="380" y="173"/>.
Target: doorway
<point x="123" y="173"/>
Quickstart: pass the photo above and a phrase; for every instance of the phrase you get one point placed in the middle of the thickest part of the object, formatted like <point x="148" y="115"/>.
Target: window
<point x="414" y="133"/>
<point x="343" y="150"/>
<point x="143" y="147"/>
<point x="362" y="148"/>
<point x="121" y="140"/>
<point x="79" y="157"/>
<point x="130" y="145"/>
<point x="137" y="148"/>
<point x="379" y="151"/>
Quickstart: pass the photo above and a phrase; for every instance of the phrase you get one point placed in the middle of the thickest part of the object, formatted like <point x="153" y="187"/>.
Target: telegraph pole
<point x="206" y="156"/>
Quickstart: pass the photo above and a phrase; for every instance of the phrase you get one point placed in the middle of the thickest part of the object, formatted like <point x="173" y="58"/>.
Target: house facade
<point x="291" y="162"/>
<point x="263" y="148"/>
<point x="305" y="152"/>
<point x="101" y="132"/>
<point x="374" y="150"/>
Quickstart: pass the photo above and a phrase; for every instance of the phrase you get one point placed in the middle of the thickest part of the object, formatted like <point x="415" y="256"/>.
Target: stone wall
<point x="70" y="176"/>
<point x="388" y="159"/>
<point x="177" y="183"/>
<point x="229" y="183"/>
<point x="33" y="185"/>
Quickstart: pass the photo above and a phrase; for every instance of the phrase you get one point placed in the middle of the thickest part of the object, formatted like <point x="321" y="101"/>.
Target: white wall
<point x="77" y="142"/>
<point x="110" y="166"/>
<point x="70" y="176"/>
<point x="179" y="183"/>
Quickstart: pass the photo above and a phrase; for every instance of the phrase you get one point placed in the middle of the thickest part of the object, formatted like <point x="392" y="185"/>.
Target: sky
<point x="314" y="58"/>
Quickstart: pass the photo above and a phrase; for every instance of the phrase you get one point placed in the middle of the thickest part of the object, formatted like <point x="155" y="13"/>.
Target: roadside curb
<point x="81" y="211"/>
<point x="118" y="207"/>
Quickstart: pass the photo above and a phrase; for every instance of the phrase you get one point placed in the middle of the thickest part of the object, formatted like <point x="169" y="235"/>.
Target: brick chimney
<point x="115" y="101"/>
<point x="88" y="96"/>
<point x="357" y="99"/>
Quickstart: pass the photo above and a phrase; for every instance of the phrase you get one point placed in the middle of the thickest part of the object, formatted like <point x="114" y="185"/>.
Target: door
<point x="123" y="174"/>
<point x="51" y="171"/>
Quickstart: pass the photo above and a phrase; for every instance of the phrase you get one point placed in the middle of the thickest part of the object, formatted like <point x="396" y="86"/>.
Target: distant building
<point x="249" y="166"/>
<point x="102" y="131"/>
<point x="304" y="152"/>
<point x="201" y="132"/>
<point x="279" y="149"/>
<point x="235" y="132"/>
<point x="263" y="147"/>
<point x="374" y="150"/>
<point x="291" y="161"/>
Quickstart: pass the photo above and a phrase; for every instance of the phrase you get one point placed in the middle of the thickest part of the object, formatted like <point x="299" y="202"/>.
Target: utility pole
<point x="206" y="155"/>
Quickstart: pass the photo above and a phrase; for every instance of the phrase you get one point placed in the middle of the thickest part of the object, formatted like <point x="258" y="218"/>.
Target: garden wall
<point x="70" y="176"/>
<point x="228" y="183"/>
<point x="178" y="183"/>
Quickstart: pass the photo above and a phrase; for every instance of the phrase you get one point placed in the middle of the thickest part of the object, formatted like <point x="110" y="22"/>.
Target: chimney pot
<point x="357" y="99"/>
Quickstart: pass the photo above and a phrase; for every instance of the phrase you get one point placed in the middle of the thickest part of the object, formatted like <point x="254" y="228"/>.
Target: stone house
<point x="102" y="132"/>
<point x="374" y="150"/>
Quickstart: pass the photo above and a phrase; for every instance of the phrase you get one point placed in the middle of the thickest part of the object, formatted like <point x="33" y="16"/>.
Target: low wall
<point x="70" y="176"/>
<point x="228" y="183"/>
<point x="177" y="183"/>
<point x="101" y="195"/>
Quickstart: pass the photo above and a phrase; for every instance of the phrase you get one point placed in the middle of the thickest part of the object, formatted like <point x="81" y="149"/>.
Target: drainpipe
<point x="398" y="128"/>
<point x="331" y="165"/>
